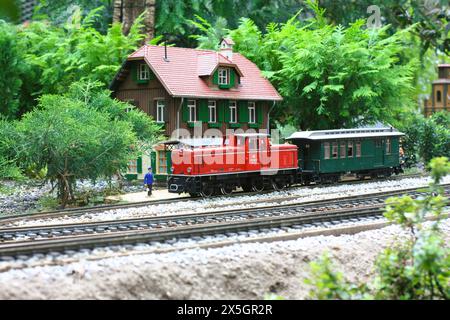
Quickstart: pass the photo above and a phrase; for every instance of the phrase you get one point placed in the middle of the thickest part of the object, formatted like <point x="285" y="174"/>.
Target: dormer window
<point x="144" y="72"/>
<point x="224" y="76"/>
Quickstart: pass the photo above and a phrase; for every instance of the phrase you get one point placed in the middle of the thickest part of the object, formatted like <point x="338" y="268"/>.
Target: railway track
<point x="74" y="212"/>
<point x="231" y="223"/>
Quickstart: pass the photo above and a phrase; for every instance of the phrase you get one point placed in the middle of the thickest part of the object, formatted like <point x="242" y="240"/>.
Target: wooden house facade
<point x="193" y="94"/>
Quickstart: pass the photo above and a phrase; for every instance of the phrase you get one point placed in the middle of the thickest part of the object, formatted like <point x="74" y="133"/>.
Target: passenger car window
<point x="334" y="152"/>
<point x="326" y="150"/>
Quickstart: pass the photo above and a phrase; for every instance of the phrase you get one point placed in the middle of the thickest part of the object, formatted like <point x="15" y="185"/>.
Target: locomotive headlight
<point x="172" y="169"/>
<point x="189" y="169"/>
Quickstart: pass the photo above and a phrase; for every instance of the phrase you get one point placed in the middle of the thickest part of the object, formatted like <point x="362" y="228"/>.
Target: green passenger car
<point x="326" y="155"/>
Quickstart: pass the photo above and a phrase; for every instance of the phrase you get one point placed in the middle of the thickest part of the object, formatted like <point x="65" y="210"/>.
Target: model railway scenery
<point x="228" y="155"/>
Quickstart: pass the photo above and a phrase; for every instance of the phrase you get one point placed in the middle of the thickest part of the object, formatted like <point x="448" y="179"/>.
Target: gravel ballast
<point x="240" y="271"/>
<point x="295" y="195"/>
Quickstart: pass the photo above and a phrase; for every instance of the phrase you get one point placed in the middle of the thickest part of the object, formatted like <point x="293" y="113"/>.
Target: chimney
<point x="226" y="48"/>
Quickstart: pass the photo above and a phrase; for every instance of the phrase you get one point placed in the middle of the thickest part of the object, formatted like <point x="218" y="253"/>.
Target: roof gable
<point x="181" y="74"/>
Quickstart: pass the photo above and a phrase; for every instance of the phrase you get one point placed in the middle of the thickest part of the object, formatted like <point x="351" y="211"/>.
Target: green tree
<point x="73" y="141"/>
<point x="11" y="70"/>
<point x="53" y="57"/>
<point x="330" y="76"/>
<point x="415" y="268"/>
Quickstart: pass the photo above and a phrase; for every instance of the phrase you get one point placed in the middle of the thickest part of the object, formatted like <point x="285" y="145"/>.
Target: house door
<point x="379" y="153"/>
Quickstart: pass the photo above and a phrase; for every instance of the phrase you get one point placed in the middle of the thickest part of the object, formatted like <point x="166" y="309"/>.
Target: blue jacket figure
<point x="148" y="181"/>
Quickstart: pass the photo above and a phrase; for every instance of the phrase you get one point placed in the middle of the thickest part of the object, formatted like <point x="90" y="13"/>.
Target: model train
<point x="249" y="161"/>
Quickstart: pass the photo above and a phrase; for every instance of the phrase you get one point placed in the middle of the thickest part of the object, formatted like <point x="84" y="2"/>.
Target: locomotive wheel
<point x="207" y="191"/>
<point x="278" y="185"/>
<point x="226" y="190"/>
<point x="258" y="185"/>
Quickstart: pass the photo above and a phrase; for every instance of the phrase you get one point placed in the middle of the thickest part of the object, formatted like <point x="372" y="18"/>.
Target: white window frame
<point x="251" y="112"/>
<point x="192" y="107"/>
<point x="224" y="76"/>
<point x="326" y="150"/>
<point x="334" y="150"/>
<point x="160" y="109"/>
<point x="358" y="149"/>
<point x="144" y="72"/>
<point x="212" y="110"/>
<point x="233" y="112"/>
<point x="350" y="150"/>
<point x="343" y="150"/>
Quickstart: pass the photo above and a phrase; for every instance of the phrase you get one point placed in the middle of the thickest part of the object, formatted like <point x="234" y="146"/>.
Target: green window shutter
<point x="139" y="165"/>
<point x="134" y="71"/>
<point x="151" y="74"/>
<point x="259" y="113"/>
<point x="216" y="77"/>
<point x="220" y="111"/>
<point x="185" y="111"/>
<point x="226" y="110"/>
<point x="169" y="161"/>
<point x="203" y="114"/>
<point x="232" y="78"/>
<point x="243" y="111"/>
<point x="153" y="160"/>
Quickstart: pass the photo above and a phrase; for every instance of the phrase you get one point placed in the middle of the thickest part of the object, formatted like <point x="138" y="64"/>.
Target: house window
<point x="334" y="150"/>
<point x="162" y="162"/>
<point x="160" y="111"/>
<point x="342" y="150"/>
<point x="233" y="112"/>
<point x="350" y="149"/>
<point x="326" y="149"/>
<point x="224" y="76"/>
<point x="358" y="149"/>
<point x="132" y="166"/>
<point x="388" y="146"/>
<point x="144" y="72"/>
<point x="212" y="111"/>
<point x="192" y="110"/>
<point x="251" y="112"/>
<point x="438" y="96"/>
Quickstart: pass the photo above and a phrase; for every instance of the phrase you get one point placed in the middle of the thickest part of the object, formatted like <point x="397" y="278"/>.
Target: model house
<point x="193" y="94"/>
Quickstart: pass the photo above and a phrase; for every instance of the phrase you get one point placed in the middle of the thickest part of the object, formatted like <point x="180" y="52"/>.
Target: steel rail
<point x="57" y="230"/>
<point x="256" y="225"/>
<point x="101" y="208"/>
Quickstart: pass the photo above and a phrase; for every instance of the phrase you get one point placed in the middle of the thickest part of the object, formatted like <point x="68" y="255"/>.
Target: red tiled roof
<point x="181" y="74"/>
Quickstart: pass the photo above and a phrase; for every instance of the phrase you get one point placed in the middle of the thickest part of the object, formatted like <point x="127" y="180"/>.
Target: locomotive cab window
<point x="252" y="144"/>
<point x="326" y="150"/>
<point x="342" y="149"/>
<point x="334" y="151"/>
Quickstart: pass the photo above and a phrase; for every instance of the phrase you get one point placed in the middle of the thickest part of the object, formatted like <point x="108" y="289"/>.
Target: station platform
<point x="157" y="194"/>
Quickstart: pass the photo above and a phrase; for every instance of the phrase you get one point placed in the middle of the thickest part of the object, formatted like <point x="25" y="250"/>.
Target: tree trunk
<point x="126" y="11"/>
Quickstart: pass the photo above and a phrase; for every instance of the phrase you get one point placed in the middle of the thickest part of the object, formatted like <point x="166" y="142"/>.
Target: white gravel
<point x="298" y="194"/>
<point x="241" y="271"/>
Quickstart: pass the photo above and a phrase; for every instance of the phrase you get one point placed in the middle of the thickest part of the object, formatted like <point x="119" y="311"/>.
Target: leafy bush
<point x="426" y="138"/>
<point x="40" y="58"/>
<point x="73" y="141"/>
<point x="418" y="268"/>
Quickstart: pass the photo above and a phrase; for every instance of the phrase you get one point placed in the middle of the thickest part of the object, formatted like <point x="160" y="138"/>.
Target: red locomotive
<point x="251" y="162"/>
<point x="246" y="160"/>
